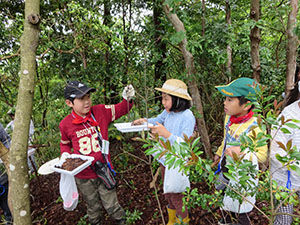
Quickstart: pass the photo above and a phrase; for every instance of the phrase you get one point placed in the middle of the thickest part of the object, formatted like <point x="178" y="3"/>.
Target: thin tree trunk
<point x="203" y="18"/>
<point x="18" y="168"/>
<point x="291" y="52"/>
<point x="125" y="39"/>
<point x="190" y="69"/>
<point x="107" y="22"/>
<point x="160" y="46"/>
<point x="255" y="40"/>
<point x="229" y="49"/>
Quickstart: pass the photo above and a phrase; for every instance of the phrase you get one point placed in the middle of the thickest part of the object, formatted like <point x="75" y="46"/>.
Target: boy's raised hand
<point x="128" y="92"/>
<point x="160" y="130"/>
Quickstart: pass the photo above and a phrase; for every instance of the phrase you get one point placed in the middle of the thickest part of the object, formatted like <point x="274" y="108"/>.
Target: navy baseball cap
<point x="76" y="89"/>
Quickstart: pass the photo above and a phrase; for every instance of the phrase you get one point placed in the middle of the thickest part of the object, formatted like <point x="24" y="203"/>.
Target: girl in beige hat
<point x="175" y="121"/>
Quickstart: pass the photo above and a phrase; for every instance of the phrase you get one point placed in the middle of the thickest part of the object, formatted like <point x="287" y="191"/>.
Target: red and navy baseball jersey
<point x="82" y="138"/>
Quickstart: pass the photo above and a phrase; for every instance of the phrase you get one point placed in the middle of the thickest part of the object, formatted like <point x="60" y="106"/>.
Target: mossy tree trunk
<point x="191" y="72"/>
<point x="18" y="168"/>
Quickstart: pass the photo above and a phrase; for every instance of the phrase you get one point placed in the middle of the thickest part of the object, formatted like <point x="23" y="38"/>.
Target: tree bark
<point x="291" y="52"/>
<point x="203" y="18"/>
<point x="18" y="168"/>
<point x="125" y="39"/>
<point x="190" y="70"/>
<point x="160" y="46"/>
<point x="107" y="20"/>
<point x="229" y="49"/>
<point x="255" y="40"/>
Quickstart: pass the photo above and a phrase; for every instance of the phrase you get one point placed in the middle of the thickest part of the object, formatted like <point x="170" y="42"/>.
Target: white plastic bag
<point x="68" y="191"/>
<point x="233" y="205"/>
<point x="175" y="181"/>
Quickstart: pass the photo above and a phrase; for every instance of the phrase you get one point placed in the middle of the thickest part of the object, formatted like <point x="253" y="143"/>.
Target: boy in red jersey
<point x="79" y="136"/>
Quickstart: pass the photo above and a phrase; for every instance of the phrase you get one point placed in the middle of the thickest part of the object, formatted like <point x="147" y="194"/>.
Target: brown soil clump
<point x="71" y="163"/>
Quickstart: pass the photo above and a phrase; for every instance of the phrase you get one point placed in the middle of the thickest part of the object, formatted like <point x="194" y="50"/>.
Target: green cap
<point x="244" y="86"/>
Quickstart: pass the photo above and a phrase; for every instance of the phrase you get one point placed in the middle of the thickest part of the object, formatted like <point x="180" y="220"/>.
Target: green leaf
<point x="171" y="163"/>
<point x="229" y="176"/>
<point x="284" y="194"/>
<point x="292" y="125"/>
<point x="295" y="168"/>
<point x="195" y="142"/>
<point x="285" y="131"/>
<point x="178" y="163"/>
<point x="271" y="120"/>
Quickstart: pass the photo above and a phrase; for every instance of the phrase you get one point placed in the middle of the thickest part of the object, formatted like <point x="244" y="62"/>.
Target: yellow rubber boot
<point x="185" y="220"/>
<point x="172" y="216"/>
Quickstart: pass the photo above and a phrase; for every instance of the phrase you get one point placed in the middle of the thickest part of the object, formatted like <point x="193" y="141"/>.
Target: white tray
<point x="46" y="168"/>
<point x="127" y="127"/>
<point x="76" y="170"/>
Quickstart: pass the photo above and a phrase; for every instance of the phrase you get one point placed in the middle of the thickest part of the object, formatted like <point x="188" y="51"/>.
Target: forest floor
<point x="133" y="191"/>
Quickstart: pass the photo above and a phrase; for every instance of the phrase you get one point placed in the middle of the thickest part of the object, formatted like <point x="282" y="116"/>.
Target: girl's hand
<point x="234" y="149"/>
<point x="160" y="130"/>
<point x="139" y="121"/>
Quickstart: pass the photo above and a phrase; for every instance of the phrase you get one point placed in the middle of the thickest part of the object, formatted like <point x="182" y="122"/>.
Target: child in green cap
<point x="239" y="119"/>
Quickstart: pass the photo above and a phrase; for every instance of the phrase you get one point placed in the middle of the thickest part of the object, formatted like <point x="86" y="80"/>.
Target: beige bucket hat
<point x="175" y="87"/>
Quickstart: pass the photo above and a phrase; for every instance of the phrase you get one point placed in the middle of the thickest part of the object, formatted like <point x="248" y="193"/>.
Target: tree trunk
<point x="190" y="69"/>
<point x="203" y="18"/>
<point x="229" y="50"/>
<point x="125" y="39"/>
<point x="107" y="20"/>
<point x="255" y="39"/>
<point x="291" y="52"/>
<point x="160" y="46"/>
<point x="18" y="168"/>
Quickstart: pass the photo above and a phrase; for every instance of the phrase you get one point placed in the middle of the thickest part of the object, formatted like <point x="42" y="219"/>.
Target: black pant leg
<point x="3" y="201"/>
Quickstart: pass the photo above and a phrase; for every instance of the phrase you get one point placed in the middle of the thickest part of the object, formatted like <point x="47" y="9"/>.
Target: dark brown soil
<point x="134" y="177"/>
<point x="71" y="164"/>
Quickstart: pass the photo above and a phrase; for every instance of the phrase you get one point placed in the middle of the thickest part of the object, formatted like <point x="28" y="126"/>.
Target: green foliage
<point x="82" y="220"/>
<point x="76" y="42"/>
<point x="243" y="173"/>
<point x="59" y="200"/>
<point x="241" y="170"/>
<point x="207" y="201"/>
<point x="133" y="217"/>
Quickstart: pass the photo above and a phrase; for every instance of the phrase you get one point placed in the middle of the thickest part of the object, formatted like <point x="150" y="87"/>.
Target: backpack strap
<point x="224" y="146"/>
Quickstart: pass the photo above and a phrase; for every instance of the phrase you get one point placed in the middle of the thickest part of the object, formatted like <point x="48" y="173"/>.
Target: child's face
<point x="232" y="107"/>
<point x="82" y="105"/>
<point x="167" y="101"/>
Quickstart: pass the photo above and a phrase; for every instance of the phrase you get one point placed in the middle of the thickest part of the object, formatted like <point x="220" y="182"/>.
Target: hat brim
<point x="187" y="97"/>
<point x="86" y="92"/>
<point x="230" y="92"/>
<point x="227" y="91"/>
